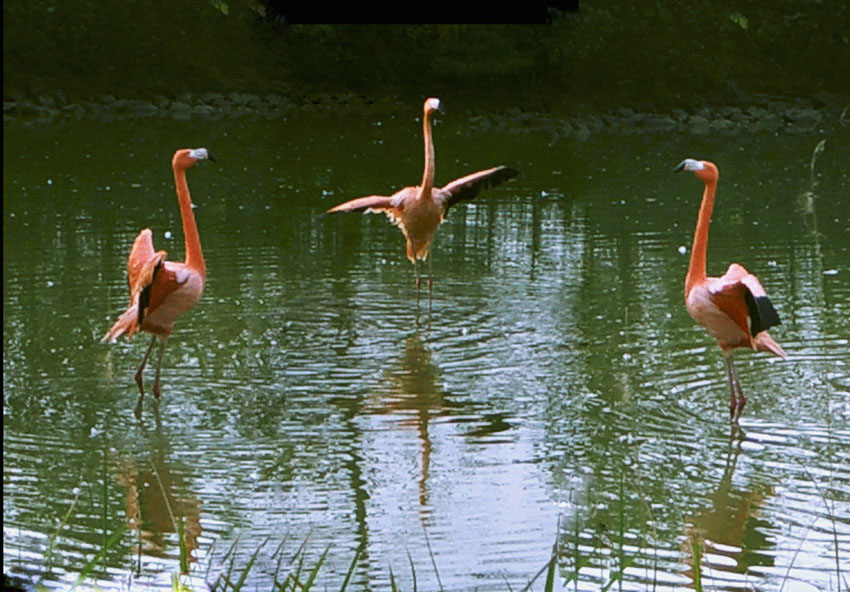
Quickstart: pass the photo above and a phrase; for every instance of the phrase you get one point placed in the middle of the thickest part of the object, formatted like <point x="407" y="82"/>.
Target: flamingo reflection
<point x="416" y="394"/>
<point x="732" y="527"/>
<point x="413" y="391"/>
<point x="158" y="502"/>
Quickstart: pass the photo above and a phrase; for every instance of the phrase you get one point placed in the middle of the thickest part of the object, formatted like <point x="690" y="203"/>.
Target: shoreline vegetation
<point x="705" y="66"/>
<point x="765" y="114"/>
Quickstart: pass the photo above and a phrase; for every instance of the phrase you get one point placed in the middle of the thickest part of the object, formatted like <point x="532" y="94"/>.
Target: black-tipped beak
<point x="210" y="157"/>
<point x="681" y="167"/>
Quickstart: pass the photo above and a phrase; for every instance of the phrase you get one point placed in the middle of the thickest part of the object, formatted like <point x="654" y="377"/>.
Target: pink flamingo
<point x="160" y="290"/>
<point x="734" y="308"/>
<point x="419" y="210"/>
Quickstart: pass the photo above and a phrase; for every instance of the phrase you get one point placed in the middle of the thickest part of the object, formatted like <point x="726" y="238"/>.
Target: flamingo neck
<point x="696" y="269"/>
<point x="428" y="176"/>
<point x="194" y="256"/>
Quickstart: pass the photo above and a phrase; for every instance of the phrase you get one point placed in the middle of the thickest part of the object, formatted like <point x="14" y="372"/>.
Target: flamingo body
<point x="419" y="210"/>
<point x="175" y="290"/>
<point x="160" y="290"/>
<point x="734" y="308"/>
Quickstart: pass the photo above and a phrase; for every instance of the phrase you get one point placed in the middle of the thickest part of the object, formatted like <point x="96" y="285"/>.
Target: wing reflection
<point x="158" y="501"/>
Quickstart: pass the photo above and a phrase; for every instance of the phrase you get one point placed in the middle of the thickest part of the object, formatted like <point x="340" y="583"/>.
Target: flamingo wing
<point x="741" y="296"/>
<point x="142" y="267"/>
<point x="371" y="203"/>
<point x="471" y="185"/>
<point x="150" y="281"/>
<point x="164" y="281"/>
<point x="391" y="205"/>
<point x="142" y="262"/>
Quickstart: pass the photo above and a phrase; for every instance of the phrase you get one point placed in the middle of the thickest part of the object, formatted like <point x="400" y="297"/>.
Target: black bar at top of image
<point x="412" y="13"/>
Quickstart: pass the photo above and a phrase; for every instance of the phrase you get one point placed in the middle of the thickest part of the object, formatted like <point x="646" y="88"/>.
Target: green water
<point x="555" y="385"/>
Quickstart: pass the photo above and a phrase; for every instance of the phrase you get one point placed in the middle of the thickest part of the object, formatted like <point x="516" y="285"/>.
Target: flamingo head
<point x="187" y="157"/>
<point x="704" y="170"/>
<point x="432" y="105"/>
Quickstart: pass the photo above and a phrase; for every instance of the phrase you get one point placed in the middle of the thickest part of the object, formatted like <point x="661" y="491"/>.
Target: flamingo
<point x="734" y="308"/>
<point x="419" y="210"/>
<point x="160" y="290"/>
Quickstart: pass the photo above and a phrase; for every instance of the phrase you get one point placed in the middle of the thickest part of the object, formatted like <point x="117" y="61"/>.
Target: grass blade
<point x="107" y="545"/>
<point x="351" y="570"/>
<point x="412" y="569"/>
<point x="248" y="567"/>
<point x="312" y="577"/>
<point x="393" y="586"/>
<point x="433" y="561"/>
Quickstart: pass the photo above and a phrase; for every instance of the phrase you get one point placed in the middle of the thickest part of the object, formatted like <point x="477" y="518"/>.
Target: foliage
<point x="128" y="49"/>
<point x="640" y="54"/>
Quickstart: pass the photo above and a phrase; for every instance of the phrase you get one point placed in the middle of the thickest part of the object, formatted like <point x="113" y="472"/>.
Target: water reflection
<point x="413" y="391"/>
<point x="732" y="535"/>
<point x="158" y="500"/>
<point x="558" y="358"/>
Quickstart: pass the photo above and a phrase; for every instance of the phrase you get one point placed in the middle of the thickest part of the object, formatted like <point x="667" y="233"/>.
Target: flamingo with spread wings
<point x="734" y="308"/>
<point x="160" y="290"/>
<point x="419" y="210"/>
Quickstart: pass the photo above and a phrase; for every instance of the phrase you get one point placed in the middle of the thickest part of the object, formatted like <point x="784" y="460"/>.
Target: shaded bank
<point x="604" y="55"/>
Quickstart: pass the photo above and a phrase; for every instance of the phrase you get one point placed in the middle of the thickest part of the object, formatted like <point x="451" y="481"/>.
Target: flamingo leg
<point x="156" y="390"/>
<point x="737" y="399"/>
<point x="430" y="277"/>
<point x="138" y="411"/>
<point x="138" y="375"/>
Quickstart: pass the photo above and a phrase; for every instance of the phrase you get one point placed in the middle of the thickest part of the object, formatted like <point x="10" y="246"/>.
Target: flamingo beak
<point x="210" y="157"/>
<point x="680" y="167"/>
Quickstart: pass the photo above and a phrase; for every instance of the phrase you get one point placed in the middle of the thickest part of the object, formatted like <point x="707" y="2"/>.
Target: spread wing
<point x="469" y="186"/>
<point x="391" y="205"/>
<point x="371" y="203"/>
<point x="741" y="296"/>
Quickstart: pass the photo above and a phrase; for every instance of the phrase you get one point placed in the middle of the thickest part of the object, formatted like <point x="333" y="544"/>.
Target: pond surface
<point x="554" y="388"/>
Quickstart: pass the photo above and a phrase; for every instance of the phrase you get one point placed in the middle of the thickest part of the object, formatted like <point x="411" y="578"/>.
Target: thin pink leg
<point x="142" y="367"/>
<point x="737" y="400"/>
<point x="156" y="390"/>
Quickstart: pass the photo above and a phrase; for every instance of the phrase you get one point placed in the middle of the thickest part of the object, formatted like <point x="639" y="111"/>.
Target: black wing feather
<point x="468" y="187"/>
<point x="762" y="314"/>
<point x="145" y="294"/>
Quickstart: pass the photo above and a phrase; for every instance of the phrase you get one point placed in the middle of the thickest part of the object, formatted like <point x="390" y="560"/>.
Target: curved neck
<point x="427" y="176"/>
<point x="194" y="256"/>
<point x="696" y="269"/>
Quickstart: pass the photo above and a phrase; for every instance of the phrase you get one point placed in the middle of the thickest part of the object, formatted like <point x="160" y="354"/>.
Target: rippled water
<point x="555" y="387"/>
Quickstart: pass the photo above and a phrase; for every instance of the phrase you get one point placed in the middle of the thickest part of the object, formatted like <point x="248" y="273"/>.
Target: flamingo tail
<point x="765" y="343"/>
<point x="127" y="323"/>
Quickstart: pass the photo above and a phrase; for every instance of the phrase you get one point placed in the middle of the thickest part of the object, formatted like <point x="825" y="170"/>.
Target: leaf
<point x="739" y="19"/>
